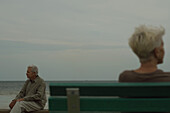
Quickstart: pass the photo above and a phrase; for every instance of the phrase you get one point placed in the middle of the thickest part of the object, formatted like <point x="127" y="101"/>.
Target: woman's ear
<point x="156" y="52"/>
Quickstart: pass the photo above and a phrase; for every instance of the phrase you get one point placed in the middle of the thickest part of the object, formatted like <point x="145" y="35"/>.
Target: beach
<point x="5" y="100"/>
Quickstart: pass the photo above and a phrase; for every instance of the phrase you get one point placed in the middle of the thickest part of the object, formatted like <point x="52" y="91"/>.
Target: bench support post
<point x="73" y="100"/>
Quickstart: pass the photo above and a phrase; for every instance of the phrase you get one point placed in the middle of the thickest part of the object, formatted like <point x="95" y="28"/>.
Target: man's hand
<point x="11" y="105"/>
<point x="21" y="99"/>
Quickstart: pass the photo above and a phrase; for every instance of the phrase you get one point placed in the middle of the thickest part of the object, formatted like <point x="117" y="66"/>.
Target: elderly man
<point x="32" y="96"/>
<point x="146" y="42"/>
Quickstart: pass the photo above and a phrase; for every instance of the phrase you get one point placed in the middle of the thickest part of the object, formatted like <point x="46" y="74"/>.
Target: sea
<point x="9" y="90"/>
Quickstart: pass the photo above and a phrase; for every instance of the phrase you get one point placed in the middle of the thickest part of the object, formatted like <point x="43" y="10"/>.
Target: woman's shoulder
<point x="125" y="75"/>
<point x="125" y="72"/>
<point x="132" y="76"/>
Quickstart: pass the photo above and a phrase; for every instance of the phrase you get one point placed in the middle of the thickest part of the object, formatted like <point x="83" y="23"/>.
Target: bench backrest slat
<point x="113" y="89"/>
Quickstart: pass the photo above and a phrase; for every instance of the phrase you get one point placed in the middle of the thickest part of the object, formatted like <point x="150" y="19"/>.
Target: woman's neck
<point x="147" y="67"/>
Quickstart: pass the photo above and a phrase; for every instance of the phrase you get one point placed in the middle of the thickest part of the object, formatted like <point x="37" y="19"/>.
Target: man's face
<point x="29" y="73"/>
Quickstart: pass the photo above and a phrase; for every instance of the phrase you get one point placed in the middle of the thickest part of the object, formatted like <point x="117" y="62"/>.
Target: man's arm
<point x="19" y="97"/>
<point x="22" y="92"/>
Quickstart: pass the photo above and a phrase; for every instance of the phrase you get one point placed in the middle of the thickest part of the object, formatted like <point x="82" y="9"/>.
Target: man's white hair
<point x="145" y="39"/>
<point x="33" y="69"/>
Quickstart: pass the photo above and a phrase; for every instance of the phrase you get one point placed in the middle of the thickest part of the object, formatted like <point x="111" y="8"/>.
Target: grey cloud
<point x="10" y="47"/>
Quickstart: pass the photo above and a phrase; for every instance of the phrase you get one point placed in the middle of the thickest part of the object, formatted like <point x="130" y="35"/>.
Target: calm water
<point x="13" y="87"/>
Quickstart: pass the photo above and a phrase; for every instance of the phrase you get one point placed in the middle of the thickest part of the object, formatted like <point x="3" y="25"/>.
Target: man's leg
<point x="16" y="108"/>
<point x="30" y="106"/>
<point x="25" y="106"/>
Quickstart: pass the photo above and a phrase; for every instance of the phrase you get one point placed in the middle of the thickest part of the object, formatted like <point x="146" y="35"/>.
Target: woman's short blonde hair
<point x="145" y="39"/>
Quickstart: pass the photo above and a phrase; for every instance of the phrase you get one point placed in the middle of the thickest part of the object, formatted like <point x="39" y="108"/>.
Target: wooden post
<point x="73" y="100"/>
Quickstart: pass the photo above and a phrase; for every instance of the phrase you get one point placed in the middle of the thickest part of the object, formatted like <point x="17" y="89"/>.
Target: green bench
<point x="80" y="96"/>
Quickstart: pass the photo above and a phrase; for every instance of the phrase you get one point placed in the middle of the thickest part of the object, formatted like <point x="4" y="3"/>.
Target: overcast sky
<point x="75" y="39"/>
